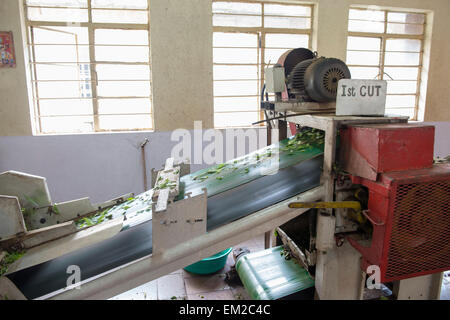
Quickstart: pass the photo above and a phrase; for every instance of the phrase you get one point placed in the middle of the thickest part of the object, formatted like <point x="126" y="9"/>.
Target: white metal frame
<point x="57" y="234"/>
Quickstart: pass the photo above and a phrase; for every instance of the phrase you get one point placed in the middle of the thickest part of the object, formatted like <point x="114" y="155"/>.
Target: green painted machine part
<point x="211" y="264"/>
<point x="216" y="179"/>
<point x="268" y="275"/>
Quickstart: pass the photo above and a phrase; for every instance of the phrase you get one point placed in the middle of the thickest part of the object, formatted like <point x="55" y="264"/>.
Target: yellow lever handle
<point x="326" y="205"/>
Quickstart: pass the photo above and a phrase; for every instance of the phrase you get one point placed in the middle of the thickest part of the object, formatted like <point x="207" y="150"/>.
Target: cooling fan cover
<point x="420" y="234"/>
<point x="411" y="236"/>
<point x="293" y="57"/>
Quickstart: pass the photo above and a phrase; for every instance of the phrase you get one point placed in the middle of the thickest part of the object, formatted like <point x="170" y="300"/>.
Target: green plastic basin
<point x="211" y="264"/>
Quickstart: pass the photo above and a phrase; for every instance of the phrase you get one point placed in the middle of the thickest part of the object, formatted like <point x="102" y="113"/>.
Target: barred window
<point x="90" y="65"/>
<point x="248" y="37"/>
<point x="388" y="45"/>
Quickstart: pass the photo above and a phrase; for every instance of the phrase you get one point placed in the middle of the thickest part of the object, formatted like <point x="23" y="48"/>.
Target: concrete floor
<point x="182" y="285"/>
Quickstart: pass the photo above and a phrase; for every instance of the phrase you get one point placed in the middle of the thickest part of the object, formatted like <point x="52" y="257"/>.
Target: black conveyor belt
<point x="136" y="242"/>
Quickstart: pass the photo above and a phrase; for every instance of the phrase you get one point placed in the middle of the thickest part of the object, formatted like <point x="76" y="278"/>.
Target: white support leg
<point x="338" y="273"/>
<point x="419" y="288"/>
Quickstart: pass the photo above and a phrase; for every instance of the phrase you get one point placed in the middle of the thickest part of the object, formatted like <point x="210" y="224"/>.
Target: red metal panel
<point x="411" y="230"/>
<point x="367" y="150"/>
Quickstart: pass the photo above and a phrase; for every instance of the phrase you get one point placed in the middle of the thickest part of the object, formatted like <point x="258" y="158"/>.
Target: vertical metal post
<point x="93" y="68"/>
<point x="363" y="285"/>
<point x="329" y="159"/>
<point x="281" y="126"/>
<point x="267" y="239"/>
<point x="326" y="222"/>
<point x="326" y="249"/>
<point x="144" y="164"/>
<point x="269" y="142"/>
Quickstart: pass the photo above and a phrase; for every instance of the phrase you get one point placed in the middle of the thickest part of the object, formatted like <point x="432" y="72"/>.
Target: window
<point x="249" y="37"/>
<point x="90" y="65"/>
<point x="388" y="45"/>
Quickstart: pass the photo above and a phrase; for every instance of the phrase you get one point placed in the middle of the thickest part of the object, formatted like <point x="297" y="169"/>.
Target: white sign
<point x="361" y="97"/>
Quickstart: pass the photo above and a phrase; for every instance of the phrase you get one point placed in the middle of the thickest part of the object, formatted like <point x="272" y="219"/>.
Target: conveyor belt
<point x="136" y="242"/>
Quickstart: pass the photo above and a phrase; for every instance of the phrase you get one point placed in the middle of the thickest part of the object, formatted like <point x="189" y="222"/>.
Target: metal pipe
<point x="293" y="115"/>
<point x="144" y="164"/>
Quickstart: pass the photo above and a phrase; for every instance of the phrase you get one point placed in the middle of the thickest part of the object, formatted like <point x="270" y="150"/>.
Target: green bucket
<point x="211" y="264"/>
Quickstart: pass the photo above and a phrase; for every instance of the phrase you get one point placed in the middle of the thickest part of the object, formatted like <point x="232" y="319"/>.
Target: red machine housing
<point x="409" y="208"/>
<point x="372" y="149"/>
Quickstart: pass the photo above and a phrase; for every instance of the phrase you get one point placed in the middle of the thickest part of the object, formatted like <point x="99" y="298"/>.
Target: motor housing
<point x="316" y="79"/>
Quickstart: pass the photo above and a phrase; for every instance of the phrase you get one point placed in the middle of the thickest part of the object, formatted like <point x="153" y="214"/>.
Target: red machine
<point x="409" y="198"/>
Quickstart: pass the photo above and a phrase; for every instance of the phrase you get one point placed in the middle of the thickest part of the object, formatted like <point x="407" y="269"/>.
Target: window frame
<point x="91" y="28"/>
<point x="383" y="39"/>
<point x="261" y="32"/>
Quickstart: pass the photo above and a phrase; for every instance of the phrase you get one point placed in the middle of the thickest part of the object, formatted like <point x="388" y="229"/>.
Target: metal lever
<point x="326" y="205"/>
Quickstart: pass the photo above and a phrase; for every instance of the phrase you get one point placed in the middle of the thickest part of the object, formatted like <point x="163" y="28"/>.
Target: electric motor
<point x="312" y="78"/>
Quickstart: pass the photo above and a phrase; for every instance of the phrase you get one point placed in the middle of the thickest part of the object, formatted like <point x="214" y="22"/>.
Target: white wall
<point x="181" y="55"/>
<point x="100" y="166"/>
<point x="103" y="166"/>
<point x="15" y="115"/>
